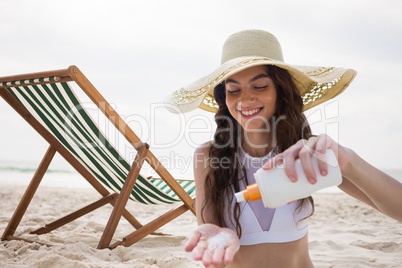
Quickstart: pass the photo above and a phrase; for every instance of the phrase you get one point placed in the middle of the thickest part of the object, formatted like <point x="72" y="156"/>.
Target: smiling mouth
<point x="251" y="112"/>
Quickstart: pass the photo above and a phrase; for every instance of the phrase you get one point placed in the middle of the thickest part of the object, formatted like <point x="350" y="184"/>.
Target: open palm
<point x="213" y="245"/>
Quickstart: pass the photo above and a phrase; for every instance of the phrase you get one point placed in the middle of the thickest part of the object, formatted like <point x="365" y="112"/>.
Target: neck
<point x="257" y="144"/>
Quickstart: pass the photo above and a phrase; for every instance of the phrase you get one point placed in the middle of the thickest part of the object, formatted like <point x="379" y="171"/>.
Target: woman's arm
<point x="201" y="168"/>
<point x="364" y="181"/>
<point x="209" y="243"/>
<point x="360" y="179"/>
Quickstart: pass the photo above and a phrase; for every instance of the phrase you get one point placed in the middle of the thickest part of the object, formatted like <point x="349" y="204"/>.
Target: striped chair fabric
<point x="58" y="109"/>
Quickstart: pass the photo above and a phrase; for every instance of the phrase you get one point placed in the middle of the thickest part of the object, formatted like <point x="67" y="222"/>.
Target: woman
<point x="259" y="102"/>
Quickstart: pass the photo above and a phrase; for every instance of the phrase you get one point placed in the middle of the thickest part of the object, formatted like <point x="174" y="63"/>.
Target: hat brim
<point x="315" y="84"/>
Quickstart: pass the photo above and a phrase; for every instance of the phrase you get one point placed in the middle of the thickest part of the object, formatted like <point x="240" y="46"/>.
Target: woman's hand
<point x="360" y="179"/>
<point x="305" y="150"/>
<point x="213" y="245"/>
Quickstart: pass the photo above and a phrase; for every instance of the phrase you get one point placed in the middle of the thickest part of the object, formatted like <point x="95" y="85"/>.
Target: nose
<point x="247" y="96"/>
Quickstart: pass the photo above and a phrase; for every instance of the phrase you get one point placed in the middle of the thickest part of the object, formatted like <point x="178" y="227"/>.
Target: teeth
<point x="250" y="112"/>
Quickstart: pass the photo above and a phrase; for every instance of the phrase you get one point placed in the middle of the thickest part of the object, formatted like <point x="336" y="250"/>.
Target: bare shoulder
<point x="203" y="149"/>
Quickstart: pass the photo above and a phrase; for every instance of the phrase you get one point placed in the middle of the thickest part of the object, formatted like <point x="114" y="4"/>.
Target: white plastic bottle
<point x="275" y="189"/>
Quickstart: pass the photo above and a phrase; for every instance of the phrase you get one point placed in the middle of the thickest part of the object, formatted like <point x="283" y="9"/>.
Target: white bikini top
<point x="266" y="225"/>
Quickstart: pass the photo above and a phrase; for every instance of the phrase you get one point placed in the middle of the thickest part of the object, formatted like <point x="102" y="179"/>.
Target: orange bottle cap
<point x="252" y="192"/>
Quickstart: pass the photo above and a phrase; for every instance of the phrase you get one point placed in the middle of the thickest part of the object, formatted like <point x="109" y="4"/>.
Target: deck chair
<point x="46" y="100"/>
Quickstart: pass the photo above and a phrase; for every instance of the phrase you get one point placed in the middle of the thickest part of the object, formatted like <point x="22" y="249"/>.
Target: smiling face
<point x="251" y="97"/>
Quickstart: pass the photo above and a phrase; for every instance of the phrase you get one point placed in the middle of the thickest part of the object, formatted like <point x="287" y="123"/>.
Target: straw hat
<point x="249" y="48"/>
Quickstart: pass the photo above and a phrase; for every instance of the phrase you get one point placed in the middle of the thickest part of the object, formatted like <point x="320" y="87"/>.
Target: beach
<point x="343" y="233"/>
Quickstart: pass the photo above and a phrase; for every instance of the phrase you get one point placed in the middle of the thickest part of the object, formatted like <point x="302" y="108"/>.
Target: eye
<point x="262" y="84"/>
<point x="261" y="87"/>
<point x="232" y="90"/>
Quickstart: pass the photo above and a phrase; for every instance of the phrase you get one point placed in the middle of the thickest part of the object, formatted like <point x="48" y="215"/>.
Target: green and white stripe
<point x="59" y="110"/>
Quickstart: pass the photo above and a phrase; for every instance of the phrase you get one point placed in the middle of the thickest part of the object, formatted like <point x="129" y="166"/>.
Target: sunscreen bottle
<point x="275" y="189"/>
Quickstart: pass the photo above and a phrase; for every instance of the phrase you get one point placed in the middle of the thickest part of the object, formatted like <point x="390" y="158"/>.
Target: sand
<point x="343" y="233"/>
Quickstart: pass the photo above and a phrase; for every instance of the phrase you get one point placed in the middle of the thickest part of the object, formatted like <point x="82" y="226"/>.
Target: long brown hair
<point x="222" y="177"/>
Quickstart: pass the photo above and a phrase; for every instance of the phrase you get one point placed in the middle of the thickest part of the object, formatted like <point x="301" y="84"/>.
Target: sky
<point x="137" y="52"/>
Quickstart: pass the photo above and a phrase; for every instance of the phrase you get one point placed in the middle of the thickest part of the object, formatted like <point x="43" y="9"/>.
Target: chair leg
<point x="129" y="217"/>
<point x="150" y="227"/>
<point x="170" y="181"/>
<point x="121" y="201"/>
<point x="29" y="194"/>
<point x="75" y="215"/>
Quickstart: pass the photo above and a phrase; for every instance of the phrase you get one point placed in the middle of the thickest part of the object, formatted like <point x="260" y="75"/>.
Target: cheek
<point x="271" y="102"/>
<point x="230" y="102"/>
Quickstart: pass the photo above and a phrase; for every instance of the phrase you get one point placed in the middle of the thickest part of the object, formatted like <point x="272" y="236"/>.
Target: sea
<point x="19" y="174"/>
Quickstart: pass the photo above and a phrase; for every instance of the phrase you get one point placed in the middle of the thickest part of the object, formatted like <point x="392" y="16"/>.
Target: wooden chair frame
<point x="117" y="200"/>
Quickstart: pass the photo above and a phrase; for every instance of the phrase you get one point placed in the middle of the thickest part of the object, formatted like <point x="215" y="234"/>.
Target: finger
<point x="217" y="256"/>
<point x="192" y="241"/>
<point x="320" y="149"/>
<point x="322" y="163"/>
<point x="207" y="257"/>
<point x="305" y="156"/>
<point x="290" y="155"/>
<point x="230" y="252"/>
<point x="289" y="167"/>
<point x="322" y="143"/>
<point x="273" y="162"/>
<point x="199" y="250"/>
